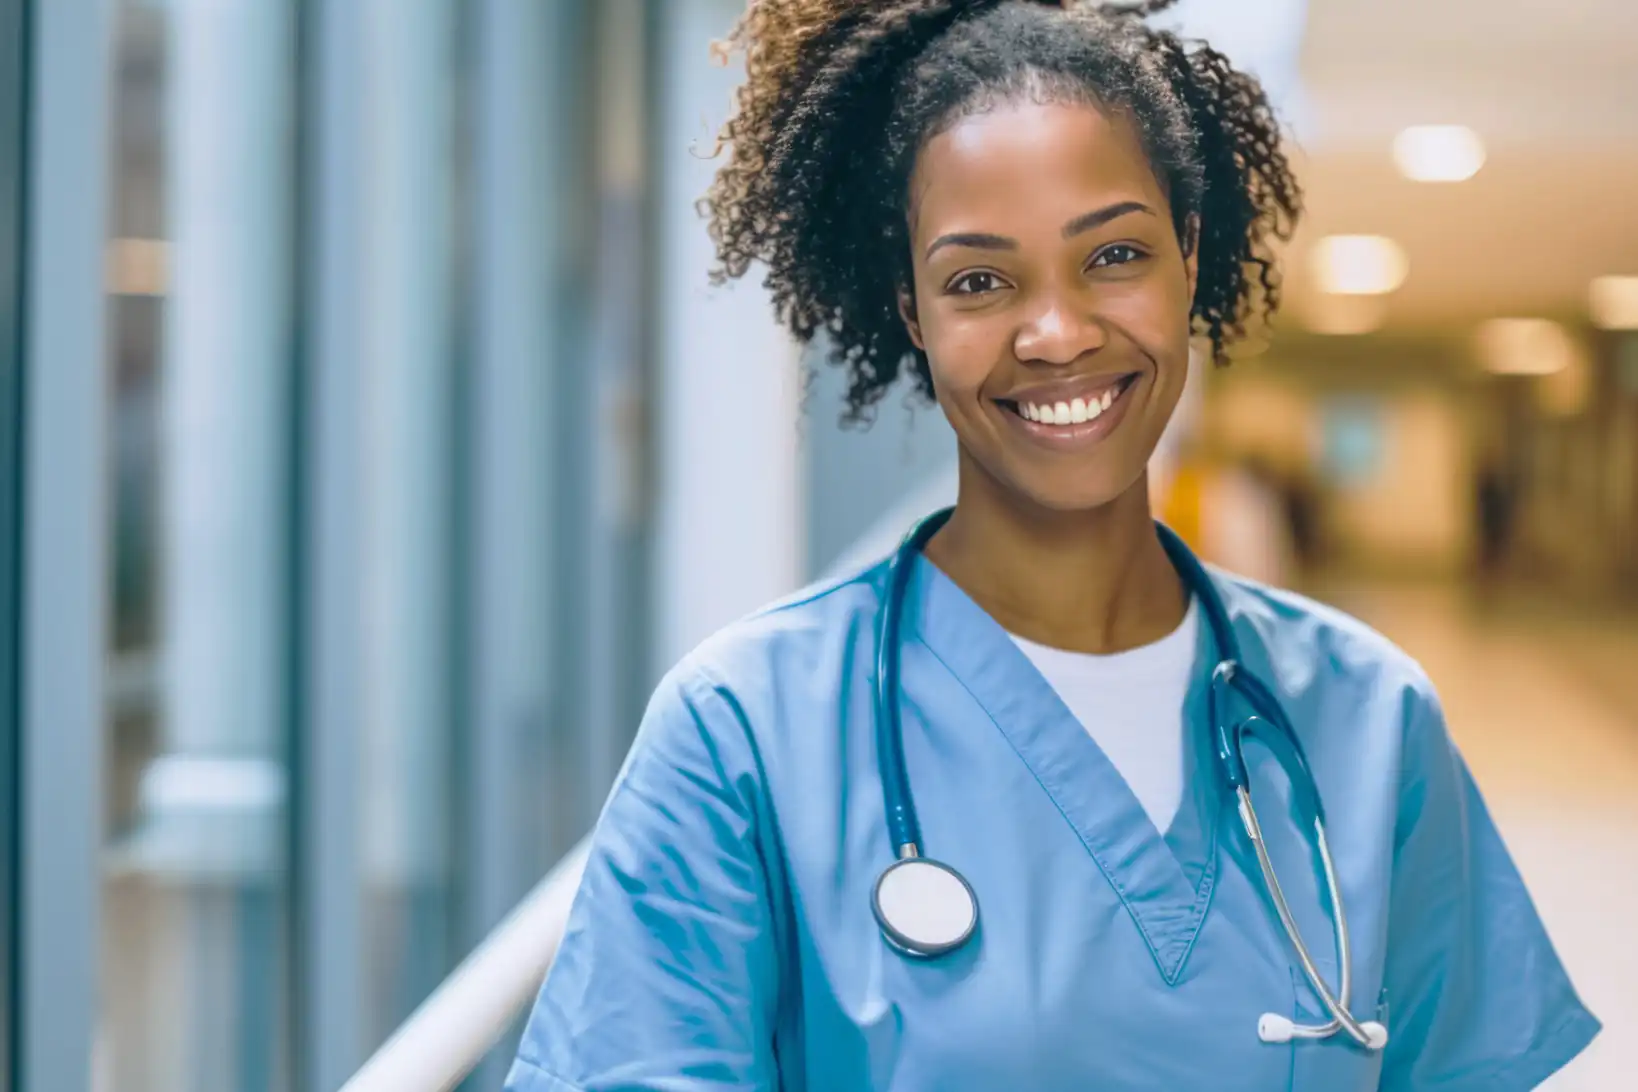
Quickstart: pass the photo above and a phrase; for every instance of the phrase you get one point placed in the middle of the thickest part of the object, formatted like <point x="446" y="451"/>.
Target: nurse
<point x="1027" y="209"/>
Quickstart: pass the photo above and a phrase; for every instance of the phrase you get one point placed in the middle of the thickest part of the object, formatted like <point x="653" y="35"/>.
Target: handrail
<point x="455" y="1027"/>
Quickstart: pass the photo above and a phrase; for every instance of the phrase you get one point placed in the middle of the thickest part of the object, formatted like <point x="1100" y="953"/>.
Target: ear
<point x="907" y="312"/>
<point x="1191" y="253"/>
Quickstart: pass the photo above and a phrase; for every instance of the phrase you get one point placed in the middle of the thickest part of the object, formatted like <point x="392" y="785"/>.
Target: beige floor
<point x="1544" y="704"/>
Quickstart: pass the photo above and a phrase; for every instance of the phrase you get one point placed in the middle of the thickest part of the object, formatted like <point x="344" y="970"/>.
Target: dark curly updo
<point x="841" y="95"/>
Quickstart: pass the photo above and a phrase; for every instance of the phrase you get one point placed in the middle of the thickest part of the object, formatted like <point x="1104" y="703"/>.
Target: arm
<point x="667" y="977"/>
<point x="1478" y="998"/>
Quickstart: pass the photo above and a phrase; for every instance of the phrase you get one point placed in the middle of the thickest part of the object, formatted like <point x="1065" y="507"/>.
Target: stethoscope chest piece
<point x="925" y="908"/>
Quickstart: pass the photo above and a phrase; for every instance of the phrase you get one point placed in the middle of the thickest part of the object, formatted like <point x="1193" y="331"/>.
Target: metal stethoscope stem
<point x="1370" y="1035"/>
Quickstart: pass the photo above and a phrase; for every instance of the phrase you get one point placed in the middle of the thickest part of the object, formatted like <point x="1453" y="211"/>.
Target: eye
<point x="978" y="282"/>
<point x="1118" y="254"/>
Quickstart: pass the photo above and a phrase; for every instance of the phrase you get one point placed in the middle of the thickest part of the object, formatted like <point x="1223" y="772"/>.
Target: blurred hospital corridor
<point x="1543" y="702"/>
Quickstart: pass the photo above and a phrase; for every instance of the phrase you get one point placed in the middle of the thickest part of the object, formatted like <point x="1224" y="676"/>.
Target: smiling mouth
<point x="1069" y="412"/>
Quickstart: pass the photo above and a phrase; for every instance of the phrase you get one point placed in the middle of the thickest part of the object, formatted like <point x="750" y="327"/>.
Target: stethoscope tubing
<point x="1229" y="679"/>
<point x="902" y="826"/>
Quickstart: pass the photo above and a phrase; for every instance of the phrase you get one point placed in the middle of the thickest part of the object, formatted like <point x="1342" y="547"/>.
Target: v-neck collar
<point x="1165" y="881"/>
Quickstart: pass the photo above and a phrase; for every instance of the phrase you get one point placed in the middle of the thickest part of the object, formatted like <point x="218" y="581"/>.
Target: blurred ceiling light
<point x="138" y="267"/>
<point x="1526" y="346"/>
<point x="1438" y="153"/>
<point x="1613" y="302"/>
<point x="1358" y="265"/>
<point x="1345" y="316"/>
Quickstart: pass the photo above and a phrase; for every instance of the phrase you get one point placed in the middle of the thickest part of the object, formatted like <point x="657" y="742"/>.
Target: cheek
<point x="1157" y="312"/>
<point x="962" y="350"/>
<point x="1157" y="321"/>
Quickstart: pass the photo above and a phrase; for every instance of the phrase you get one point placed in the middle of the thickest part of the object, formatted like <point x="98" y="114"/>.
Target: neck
<point x="1094" y="581"/>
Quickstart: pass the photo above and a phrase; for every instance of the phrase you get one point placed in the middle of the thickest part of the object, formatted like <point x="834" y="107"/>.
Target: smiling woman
<point x="837" y="109"/>
<point x="1032" y="208"/>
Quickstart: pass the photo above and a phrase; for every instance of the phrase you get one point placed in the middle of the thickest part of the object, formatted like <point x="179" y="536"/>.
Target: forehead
<point x="1028" y="163"/>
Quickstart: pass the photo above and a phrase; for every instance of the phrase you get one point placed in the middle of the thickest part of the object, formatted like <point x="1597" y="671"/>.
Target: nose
<point x="1059" y="333"/>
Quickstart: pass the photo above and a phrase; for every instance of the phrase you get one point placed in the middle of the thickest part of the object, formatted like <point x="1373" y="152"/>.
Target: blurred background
<point x="370" y="442"/>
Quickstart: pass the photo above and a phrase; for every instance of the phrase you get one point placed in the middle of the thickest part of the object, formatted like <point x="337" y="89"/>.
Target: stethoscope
<point x="927" y="909"/>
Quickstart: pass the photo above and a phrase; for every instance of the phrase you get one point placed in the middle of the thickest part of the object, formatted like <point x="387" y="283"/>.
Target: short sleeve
<point x="1477" y="996"/>
<point x="667" y="974"/>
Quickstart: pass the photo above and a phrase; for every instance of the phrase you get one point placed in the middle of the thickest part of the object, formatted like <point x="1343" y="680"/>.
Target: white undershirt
<point x="1131" y="703"/>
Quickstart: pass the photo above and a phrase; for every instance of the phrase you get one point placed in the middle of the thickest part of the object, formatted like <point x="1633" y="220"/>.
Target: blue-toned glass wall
<point x="473" y="386"/>
<point x="525" y="64"/>
<point x="195" y="952"/>
<point x="13" y="77"/>
<point x="63" y="607"/>
<point x="612" y="508"/>
<point x="379" y="646"/>
<point x="329" y="924"/>
<point x="406" y="434"/>
<point x="448" y="524"/>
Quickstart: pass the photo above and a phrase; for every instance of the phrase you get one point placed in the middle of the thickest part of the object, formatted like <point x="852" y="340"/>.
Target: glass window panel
<point x="408" y="532"/>
<point x="12" y="99"/>
<point x="195" y="948"/>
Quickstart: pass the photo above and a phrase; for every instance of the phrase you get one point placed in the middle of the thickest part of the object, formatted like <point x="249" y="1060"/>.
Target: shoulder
<point x="1368" y="710"/>
<point x="801" y="629"/>
<point x="1306" y="644"/>
<point x="720" y="715"/>
<point x="801" y="643"/>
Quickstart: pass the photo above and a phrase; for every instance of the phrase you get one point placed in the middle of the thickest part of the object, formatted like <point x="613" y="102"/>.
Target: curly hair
<point x="841" y="95"/>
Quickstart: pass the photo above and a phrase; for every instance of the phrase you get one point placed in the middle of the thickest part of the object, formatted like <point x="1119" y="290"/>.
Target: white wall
<point x="727" y="529"/>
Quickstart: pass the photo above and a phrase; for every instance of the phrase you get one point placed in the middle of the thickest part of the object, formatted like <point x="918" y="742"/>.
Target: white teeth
<point x="1076" y="412"/>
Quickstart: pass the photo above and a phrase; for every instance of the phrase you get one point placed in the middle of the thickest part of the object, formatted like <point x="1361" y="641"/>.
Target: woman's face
<point x="1052" y="298"/>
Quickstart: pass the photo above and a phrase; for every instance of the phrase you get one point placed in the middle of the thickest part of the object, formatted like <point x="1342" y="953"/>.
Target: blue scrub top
<point x="723" y="935"/>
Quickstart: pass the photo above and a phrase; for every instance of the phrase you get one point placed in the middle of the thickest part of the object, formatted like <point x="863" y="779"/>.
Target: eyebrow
<point x="985" y="241"/>
<point x="1099" y="217"/>
<point x="977" y="239"/>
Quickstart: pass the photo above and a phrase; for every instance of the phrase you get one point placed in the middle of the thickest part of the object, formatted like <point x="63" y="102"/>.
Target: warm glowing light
<point x="1613" y="302"/>
<point x="1438" y="153"/>
<point x="1526" y="346"/>
<point x="1359" y="265"/>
